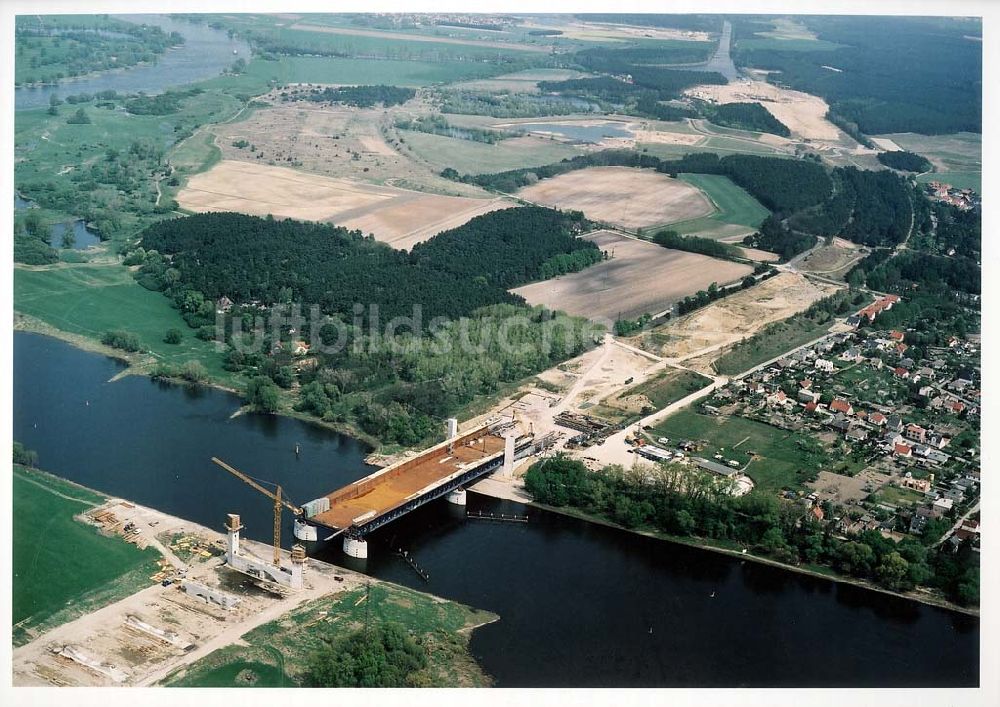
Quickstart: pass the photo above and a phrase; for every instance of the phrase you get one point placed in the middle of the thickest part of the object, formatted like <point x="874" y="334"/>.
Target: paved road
<point x="958" y="523"/>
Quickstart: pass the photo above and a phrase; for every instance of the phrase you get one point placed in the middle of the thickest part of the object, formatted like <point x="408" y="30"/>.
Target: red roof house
<point x="839" y="405"/>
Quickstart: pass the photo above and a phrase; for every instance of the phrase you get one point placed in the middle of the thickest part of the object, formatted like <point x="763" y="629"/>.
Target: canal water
<point x="580" y="604"/>
<point x="204" y="54"/>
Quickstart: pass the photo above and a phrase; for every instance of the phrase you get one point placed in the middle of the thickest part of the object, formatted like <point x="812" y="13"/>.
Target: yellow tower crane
<point x="278" y="503"/>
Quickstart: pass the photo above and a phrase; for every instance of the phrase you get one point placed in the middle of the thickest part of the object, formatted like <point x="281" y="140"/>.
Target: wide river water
<point x="580" y="604"/>
<point x="204" y="54"/>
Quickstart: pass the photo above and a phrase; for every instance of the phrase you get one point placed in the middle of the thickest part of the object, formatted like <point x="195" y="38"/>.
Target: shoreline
<point x="30" y="324"/>
<point x="320" y="586"/>
<point x="137" y="364"/>
<point x="928" y="600"/>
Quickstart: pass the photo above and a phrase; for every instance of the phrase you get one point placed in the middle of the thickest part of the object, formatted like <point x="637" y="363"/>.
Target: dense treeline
<point x="510" y="105"/>
<point x="363" y="96"/>
<point x="694" y="244"/>
<point x="905" y="161"/>
<point x="248" y="258"/>
<point x="506" y="248"/>
<point x="682" y="501"/>
<point x="779" y="184"/>
<point x="745" y="116"/>
<point x="163" y="104"/>
<point x="869" y="207"/>
<point x="400" y="390"/>
<point x="895" y="74"/>
<point x="912" y="269"/>
<point x="775" y="237"/>
<point x="31" y="240"/>
<point x="383" y="656"/>
<point x="961" y="229"/>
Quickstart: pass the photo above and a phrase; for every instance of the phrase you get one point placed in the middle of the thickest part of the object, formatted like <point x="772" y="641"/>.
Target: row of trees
<point x="680" y="500"/>
<point x="363" y="96"/>
<point x="745" y="116"/>
<point x="696" y="244"/>
<point x="905" y="161"/>
<point x="776" y="237"/>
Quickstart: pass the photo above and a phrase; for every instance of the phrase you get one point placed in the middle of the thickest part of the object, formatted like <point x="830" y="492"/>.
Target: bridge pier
<point x="458" y="497"/>
<point x="356" y="547"/>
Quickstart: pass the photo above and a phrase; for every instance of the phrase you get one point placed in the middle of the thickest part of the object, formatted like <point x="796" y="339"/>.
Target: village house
<point x="894" y="423"/>
<point x="842" y="406"/>
<point x="902" y="450"/>
<point x="921" y="485"/>
<point x="896" y="335"/>
<point x="900" y="372"/>
<point x="823" y="365"/>
<point x="300" y="348"/>
<point x="877" y="418"/>
<point x="223" y="305"/>
<point x="809" y="396"/>
<point x="915" y="432"/>
<point x="852" y="355"/>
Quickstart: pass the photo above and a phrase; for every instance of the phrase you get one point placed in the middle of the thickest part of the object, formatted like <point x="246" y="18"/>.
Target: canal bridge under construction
<point x="383" y="496"/>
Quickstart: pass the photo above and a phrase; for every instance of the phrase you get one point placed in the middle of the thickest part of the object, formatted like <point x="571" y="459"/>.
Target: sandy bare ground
<point x="398" y="217"/>
<point x="831" y="259"/>
<point x="624" y="196"/>
<point x="801" y="112"/>
<point x="104" y="637"/>
<point x="667" y="138"/>
<point x="306" y="27"/>
<point x="762" y="256"/>
<point x="640" y="278"/>
<point x="886" y="144"/>
<point x="730" y="319"/>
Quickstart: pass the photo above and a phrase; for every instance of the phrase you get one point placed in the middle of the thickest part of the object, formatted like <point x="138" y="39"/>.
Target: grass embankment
<point x="89" y="300"/>
<point x="773" y="341"/>
<point x="278" y="652"/>
<point x="781" y="458"/>
<point x="733" y="206"/>
<point x="64" y="568"/>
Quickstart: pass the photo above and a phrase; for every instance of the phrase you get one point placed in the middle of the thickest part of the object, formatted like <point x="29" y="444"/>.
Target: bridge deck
<point x="388" y="488"/>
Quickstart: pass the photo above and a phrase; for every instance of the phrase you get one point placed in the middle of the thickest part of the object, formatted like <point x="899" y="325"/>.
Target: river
<point x="204" y="54"/>
<point x="580" y="604"/>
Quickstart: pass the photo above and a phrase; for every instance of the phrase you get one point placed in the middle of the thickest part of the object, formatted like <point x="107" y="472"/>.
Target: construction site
<point x="205" y="596"/>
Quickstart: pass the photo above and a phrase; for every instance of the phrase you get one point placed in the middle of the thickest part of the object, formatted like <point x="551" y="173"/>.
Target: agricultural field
<point x="50" y="585"/>
<point x="519" y="81"/>
<point x="276" y="653"/>
<point x="623" y="196"/>
<point x="727" y="321"/>
<point x="398" y="217"/>
<point x="957" y="158"/>
<point x="470" y="157"/>
<point x="781" y="459"/>
<point x="90" y="299"/>
<point x="737" y="213"/>
<point x="638" y="278"/>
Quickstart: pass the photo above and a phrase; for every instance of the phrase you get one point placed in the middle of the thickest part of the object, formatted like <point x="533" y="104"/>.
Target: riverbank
<point x="703" y="544"/>
<point x="105" y="635"/>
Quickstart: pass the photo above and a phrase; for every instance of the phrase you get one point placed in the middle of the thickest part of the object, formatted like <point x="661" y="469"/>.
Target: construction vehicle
<point x="279" y="501"/>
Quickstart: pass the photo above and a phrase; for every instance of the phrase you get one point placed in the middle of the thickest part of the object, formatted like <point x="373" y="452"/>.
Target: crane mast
<point x="276" y="497"/>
